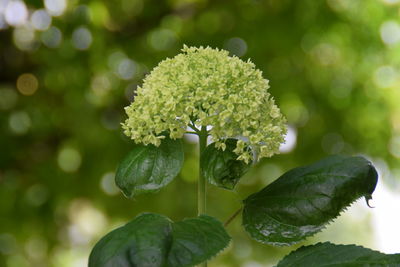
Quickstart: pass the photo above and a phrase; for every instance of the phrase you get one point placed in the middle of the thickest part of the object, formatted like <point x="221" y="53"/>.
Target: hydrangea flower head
<point x="206" y="87"/>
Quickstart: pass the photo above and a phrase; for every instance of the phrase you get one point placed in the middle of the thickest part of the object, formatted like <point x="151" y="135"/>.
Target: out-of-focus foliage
<point x="67" y="69"/>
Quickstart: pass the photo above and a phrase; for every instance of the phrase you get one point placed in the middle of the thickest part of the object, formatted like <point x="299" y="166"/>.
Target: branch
<point x="233" y="216"/>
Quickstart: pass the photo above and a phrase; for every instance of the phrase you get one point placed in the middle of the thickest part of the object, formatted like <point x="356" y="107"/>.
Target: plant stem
<point x="233" y="216"/>
<point x="201" y="193"/>
<point x="202" y="190"/>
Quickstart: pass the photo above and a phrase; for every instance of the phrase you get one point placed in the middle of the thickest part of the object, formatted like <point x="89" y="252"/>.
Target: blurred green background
<point x="68" y="68"/>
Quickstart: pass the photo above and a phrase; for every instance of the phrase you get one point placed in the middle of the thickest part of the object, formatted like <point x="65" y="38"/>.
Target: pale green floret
<point x="207" y="87"/>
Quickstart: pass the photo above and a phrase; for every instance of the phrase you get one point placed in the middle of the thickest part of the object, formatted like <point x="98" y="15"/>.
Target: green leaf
<point x="149" y="168"/>
<point x="300" y="202"/>
<point x="221" y="168"/>
<point x="196" y="240"/>
<point x="152" y="240"/>
<point x="142" y="242"/>
<point x="330" y="255"/>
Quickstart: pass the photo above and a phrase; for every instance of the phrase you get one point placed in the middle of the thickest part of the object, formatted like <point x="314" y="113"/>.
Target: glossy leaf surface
<point x="196" y="240"/>
<point x="220" y="167"/>
<point x="331" y="255"/>
<point x="154" y="240"/>
<point x="302" y="201"/>
<point x="142" y="242"/>
<point x="149" y="168"/>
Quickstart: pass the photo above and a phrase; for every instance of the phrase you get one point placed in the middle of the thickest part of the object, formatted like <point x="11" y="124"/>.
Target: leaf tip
<point x="367" y="199"/>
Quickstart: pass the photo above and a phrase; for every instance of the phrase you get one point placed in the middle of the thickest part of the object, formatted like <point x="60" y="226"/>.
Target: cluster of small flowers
<point x="207" y="87"/>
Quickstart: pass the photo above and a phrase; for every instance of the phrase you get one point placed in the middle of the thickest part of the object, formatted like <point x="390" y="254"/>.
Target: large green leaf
<point x="142" y="242"/>
<point x="331" y="255"/>
<point x="152" y="240"/>
<point x="300" y="202"/>
<point x="196" y="240"/>
<point x="149" y="168"/>
<point x="220" y="167"/>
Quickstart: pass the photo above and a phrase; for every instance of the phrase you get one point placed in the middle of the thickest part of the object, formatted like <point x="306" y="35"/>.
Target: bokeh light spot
<point x="325" y="54"/>
<point x="114" y="59"/>
<point x="385" y="76"/>
<point x="391" y="2"/>
<point x="36" y="195"/>
<point x="98" y="13"/>
<point x="173" y="23"/>
<point x="8" y="98"/>
<point x="24" y="37"/>
<point x="3" y="5"/>
<point x="242" y="249"/>
<point x="390" y="32"/>
<point x="81" y="38"/>
<point x="342" y="5"/>
<point x="162" y="39"/>
<point x="69" y="159"/>
<point x="126" y="69"/>
<point x="290" y="140"/>
<point x="385" y="220"/>
<point x="236" y="46"/>
<point x="191" y="138"/>
<point x="19" y="122"/>
<point x="3" y="23"/>
<point x="101" y="84"/>
<point x="55" y="7"/>
<point x="394" y="146"/>
<point x="40" y="20"/>
<point x="36" y="248"/>
<point x="294" y="109"/>
<point x="27" y="84"/>
<point x="132" y="8"/>
<point x="87" y="221"/>
<point x="8" y="244"/>
<point x="107" y="184"/>
<point x="252" y="264"/>
<point x="16" y="13"/>
<point x="52" y="37"/>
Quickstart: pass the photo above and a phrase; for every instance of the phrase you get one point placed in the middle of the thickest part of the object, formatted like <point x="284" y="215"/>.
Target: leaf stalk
<point x="233" y="216"/>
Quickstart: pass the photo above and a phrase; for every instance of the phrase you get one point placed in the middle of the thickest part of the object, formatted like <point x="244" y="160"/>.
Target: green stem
<point x="201" y="193"/>
<point x="233" y="216"/>
<point x="202" y="190"/>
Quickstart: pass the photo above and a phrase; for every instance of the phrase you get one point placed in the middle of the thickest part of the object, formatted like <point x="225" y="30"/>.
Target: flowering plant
<point x="205" y="87"/>
<point x="206" y="92"/>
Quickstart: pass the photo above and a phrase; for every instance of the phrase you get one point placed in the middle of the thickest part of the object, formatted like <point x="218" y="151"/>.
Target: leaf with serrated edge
<point x="221" y="167"/>
<point x="300" y="202"/>
<point x="152" y="240"/>
<point x="331" y="255"/>
<point x="148" y="168"/>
